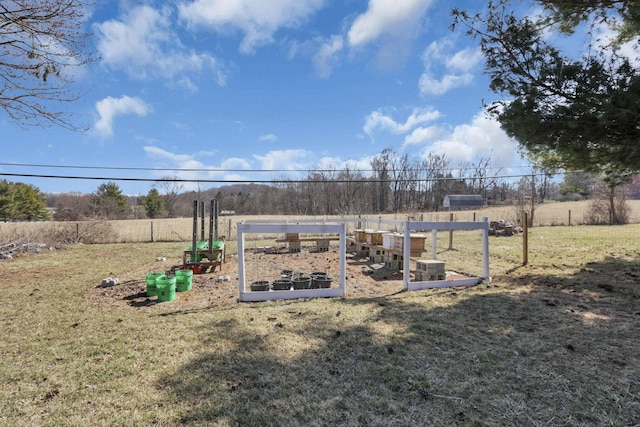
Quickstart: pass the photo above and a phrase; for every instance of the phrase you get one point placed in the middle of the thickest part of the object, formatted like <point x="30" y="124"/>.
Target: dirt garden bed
<point x="363" y="279"/>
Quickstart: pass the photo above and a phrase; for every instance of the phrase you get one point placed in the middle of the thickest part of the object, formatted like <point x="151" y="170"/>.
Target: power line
<point x="32" y="165"/>
<point x="148" y="169"/>
<point x="270" y="181"/>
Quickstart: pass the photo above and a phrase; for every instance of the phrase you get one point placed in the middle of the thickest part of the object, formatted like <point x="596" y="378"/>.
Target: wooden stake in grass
<point x="525" y="239"/>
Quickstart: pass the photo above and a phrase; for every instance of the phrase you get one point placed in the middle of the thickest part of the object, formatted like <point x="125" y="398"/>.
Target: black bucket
<point x="315" y="276"/>
<point x="322" y="281"/>
<point x="281" y="285"/>
<point x="260" y="285"/>
<point x="303" y="282"/>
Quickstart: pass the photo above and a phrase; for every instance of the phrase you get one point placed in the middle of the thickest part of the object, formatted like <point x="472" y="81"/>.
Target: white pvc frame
<point x="434" y="227"/>
<point x="251" y="227"/>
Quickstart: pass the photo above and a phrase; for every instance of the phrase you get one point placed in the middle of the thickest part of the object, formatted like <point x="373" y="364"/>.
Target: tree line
<point x="394" y="184"/>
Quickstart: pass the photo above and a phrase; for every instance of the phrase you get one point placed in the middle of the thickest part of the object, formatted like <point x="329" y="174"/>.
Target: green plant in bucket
<point x="184" y="280"/>
<point x="166" y="287"/>
<point x="151" y="279"/>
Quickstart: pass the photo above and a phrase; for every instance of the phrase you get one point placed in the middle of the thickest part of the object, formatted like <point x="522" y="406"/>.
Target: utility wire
<point x="264" y="181"/>
<point x="232" y="170"/>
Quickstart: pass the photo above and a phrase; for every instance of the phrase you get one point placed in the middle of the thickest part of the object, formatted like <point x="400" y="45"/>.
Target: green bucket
<point x="184" y="279"/>
<point x="151" y="283"/>
<point x="201" y="245"/>
<point x="166" y="287"/>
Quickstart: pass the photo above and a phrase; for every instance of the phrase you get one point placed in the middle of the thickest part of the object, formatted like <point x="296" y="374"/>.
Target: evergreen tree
<point x="22" y="202"/>
<point x="109" y="202"/>
<point x="153" y="203"/>
<point x="30" y="203"/>
<point x="7" y="197"/>
<point x="566" y="112"/>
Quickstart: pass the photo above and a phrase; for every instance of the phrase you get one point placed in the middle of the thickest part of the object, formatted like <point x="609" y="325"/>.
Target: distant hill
<point x="225" y="190"/>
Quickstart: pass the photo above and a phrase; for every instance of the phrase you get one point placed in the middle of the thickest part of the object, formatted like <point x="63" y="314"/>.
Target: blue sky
<point x="238" y="86"/>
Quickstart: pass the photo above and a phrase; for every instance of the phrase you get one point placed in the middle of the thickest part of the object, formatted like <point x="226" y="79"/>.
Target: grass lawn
<point x="554" y="344"/>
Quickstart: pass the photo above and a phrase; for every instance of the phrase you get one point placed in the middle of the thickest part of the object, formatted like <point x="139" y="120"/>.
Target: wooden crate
<point x="417" y="242"/>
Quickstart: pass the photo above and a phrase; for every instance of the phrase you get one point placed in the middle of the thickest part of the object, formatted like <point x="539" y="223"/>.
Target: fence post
<point x="77" y="232"/>
<point x="451" y="232"/>
<point x="525" y="240"/>
<point x="152" y="239"/>
<point x="485" y="249"/>
<point x="434" y="243"/>
<point x="569" y="217"/>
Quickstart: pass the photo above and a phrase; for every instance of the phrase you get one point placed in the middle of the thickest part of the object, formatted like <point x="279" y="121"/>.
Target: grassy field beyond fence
<point x="181" y="229"/>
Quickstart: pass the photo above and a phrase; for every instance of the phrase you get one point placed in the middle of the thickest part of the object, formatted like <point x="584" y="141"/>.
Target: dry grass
<point x="554" y="343"/>
<point x="181" y="229"/>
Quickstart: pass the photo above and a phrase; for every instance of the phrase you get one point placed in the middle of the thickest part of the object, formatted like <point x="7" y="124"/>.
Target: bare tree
<point x="433" y="167"/>
<point x="42" y="42"/>
<point x="400" y="166"/>
<point x="482" y="176"/>
<point x="72" y="206"/>
<point x="609" y="205"/>
<point x="380" y="166"/>
<point x="170" y="190"/>
<point x="352" y="192"/>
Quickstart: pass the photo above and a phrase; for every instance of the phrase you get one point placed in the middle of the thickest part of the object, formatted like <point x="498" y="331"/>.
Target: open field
<point x="554" y="343"/>
<point x="181" y="229"/>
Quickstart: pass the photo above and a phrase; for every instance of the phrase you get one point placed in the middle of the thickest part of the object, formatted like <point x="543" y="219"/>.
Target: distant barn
<point x="460" y="202"/>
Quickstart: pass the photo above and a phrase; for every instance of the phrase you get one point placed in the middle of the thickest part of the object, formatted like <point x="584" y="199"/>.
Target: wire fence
<point x="558" y="235"/>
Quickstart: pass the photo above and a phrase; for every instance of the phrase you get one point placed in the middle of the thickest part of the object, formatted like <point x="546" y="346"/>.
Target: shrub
<point x="86" y="232"/>
<point x="608" y="207"/>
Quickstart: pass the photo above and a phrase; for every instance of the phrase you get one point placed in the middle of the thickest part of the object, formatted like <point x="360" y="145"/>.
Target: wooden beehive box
<point x="388" y="240"/>
<point x="417" y="242"/>
<point x="374" y="237"/>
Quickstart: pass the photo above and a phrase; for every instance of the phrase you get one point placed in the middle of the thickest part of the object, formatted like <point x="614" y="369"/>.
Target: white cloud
<point x="109" y="108"/>
<point x="175" y="165"/>
<point x="433" y="86"/>
<point x="258" y="20"/>
<point x="380" y="121"/>
<point x="422" y="135"/>
<point x="230" y="169"/>
<point x="483" y="137"/>
<point x="327" y="56"/>
<point x="235" y="163"/>
<point x="464" y="60"/>
<point x="397" y="19"/>
<point x="268" y="138"/>
<point x="607" y="37"/>
<point x="286" y="159"/>
<point x="159" y="153"/>
<point x="455" y="69"/>
<point x="355" y="166"/>
<point x="144" y="45"/>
